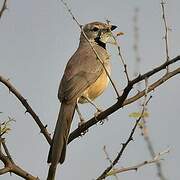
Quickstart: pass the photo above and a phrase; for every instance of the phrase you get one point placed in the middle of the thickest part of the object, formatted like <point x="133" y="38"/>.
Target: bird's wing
<point x="82" y="70"/>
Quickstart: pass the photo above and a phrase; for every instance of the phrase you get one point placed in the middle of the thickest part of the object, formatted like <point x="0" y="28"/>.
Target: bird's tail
<point x="57" y="150"/>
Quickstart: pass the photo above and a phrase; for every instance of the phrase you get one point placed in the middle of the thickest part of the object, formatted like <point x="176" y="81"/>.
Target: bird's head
<point x="98" y="32"/>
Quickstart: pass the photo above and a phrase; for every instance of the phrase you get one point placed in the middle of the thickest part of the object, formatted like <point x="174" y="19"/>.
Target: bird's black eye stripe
<point x="95" y="29"/>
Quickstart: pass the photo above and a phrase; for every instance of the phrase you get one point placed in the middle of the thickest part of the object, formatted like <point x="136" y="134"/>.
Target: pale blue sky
<point x="36" y="40"/>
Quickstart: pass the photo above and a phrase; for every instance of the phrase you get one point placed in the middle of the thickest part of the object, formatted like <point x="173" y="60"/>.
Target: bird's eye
<point x="95" y="29"/>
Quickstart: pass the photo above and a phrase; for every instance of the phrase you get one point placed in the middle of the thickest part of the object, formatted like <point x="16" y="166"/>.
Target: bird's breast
<point x="96" y="88"/>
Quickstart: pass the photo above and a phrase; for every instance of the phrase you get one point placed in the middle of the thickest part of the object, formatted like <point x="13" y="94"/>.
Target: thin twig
<point x="124" y="145"/>
<point x="122" y="60"/>
<point x="143" y="127"/>
<point x="29" y="109"/>
<point x="110" y="161"/>
<point x="7" y="152"/>
<point x="152" y="87"/>
<point x="145" y="134"/>
<point x="10" y="166"/>
<point x="120" y="54"/>
<point x="70" y="12"/>
<point x="122" y="100"/>
<point x="97" y="55"/>
<point x="156" y="159"/>
<point x="4" y="7"/>
<point x="166" y="35"/>
<point x="107" y="155"/>
<point x="152" y="152"/>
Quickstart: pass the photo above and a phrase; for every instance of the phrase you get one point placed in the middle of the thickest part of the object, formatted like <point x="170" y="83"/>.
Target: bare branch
<point x="124" y="145"/>
<point x="152" y="152"/>
<point x="107" y="155"/>
<point x="7" y="152"/>
<point x="98" y="57"/>
<point x="156" y="159"/>
<point x="70" y="12"/>
<point x="4" y="7"/>
<point x="110" y="161"/>
<point x="24" y="102"/>
<point x="120" y="55"/>
<point x="120" y="103"/>
<point x="22" y="173"/>
<point x="145" y="134"/>
<point x="108" y="171"/>
<point x="143" y="127"/>
<point x="152" y="87"/>
<point x="10" y="166"/>
<point x="123" y="61"/>
<point x="166" y="35"/>
<point x="122" y="100"/>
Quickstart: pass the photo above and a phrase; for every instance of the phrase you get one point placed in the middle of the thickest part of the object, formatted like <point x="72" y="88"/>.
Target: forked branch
<point x="122" y="101"/>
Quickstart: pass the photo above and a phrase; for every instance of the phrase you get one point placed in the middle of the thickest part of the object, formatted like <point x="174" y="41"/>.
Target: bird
<point x="84" y="79"/>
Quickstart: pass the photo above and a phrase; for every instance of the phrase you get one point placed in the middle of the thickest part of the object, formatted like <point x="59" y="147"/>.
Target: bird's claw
<point x="82" y="121"/>
<point x="96" y="115"/>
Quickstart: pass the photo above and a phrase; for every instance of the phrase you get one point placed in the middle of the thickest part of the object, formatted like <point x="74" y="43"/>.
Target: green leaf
<point x="137" y="115"/>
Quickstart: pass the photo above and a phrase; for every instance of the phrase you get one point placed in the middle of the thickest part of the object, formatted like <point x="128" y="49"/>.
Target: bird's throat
<point x="100" y="43"/>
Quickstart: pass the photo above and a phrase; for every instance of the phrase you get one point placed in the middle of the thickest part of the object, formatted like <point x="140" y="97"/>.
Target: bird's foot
<point x="96" y="115"/>
<point x="82" y="121"/>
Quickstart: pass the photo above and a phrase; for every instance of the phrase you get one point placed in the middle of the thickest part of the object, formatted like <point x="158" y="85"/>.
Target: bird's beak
<point x="113" y="27"/>
<point x="111" y="39"/>
<point x="108" y="36"/>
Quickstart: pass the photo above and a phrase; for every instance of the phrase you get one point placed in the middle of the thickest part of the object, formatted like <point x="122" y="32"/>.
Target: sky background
<point x="36" y="40"/>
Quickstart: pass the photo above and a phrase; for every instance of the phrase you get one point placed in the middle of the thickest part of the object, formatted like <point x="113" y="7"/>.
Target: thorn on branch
<point x="123" y="101"/>
<point x="131" y="139"/>
<point x="132" y="168"/>
<point x="27" y="107"/>
<point x="123" y="144"/>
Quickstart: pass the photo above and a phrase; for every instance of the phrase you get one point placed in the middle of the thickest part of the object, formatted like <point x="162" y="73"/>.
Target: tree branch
<point x="124" y="145"/>
<point x="121" y="101"/>
<point x="10" y="166"/>
<point x="28" y="108"/>
<point x="152" y="87"/>
<point x="156" y="159"/>
<point x="110" y="161"/>
<point x="120" y="55"/>
<point x="166" y="34"/>
<point x="119" y="104"/>
<point x="152" y="152"/>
